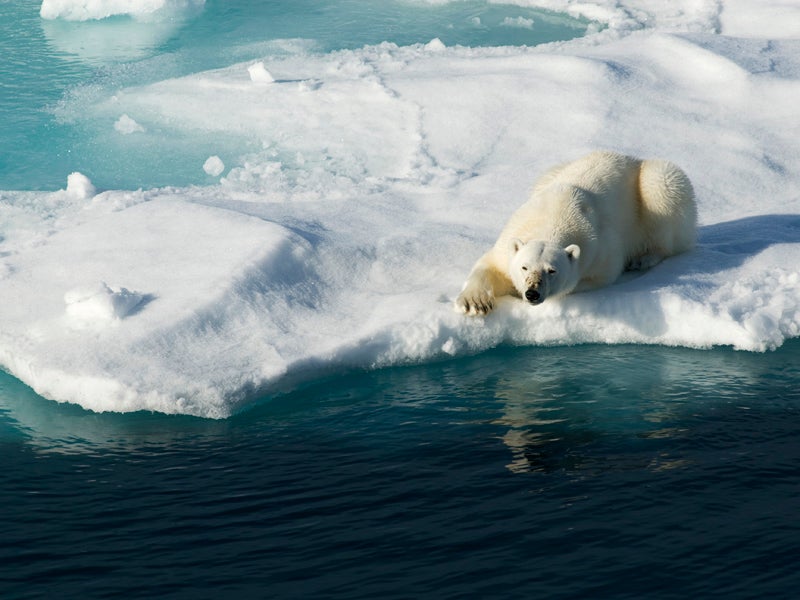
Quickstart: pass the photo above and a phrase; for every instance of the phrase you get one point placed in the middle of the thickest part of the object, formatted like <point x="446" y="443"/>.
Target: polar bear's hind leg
<point x="668" y="212"/>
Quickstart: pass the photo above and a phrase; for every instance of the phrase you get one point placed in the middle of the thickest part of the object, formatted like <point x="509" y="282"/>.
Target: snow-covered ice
<point x="382" y="174"/>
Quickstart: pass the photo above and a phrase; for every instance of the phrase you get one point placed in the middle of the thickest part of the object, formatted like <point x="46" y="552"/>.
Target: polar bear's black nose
<point x="532" y="295"/>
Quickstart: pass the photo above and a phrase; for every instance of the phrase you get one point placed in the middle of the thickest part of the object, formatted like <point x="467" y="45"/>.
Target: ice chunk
<point x="259" y="73"/>
<point x="435" y="45"/>
<point x="100" y="304"/>
<point x="79" y="186"/>
<point x="214" y="166"/>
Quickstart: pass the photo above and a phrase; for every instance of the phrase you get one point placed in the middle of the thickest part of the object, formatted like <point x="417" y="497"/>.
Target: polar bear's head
<point x="541" y="270"/>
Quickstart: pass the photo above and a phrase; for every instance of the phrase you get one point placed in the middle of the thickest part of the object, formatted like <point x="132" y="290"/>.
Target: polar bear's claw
<point x="476" y="304"/>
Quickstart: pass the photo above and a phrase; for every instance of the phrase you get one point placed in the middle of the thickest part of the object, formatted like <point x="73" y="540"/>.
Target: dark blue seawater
<point x="583" y="472"/>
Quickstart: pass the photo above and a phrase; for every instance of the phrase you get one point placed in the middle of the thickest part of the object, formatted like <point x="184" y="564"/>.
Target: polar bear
<point x="584" y="224"/>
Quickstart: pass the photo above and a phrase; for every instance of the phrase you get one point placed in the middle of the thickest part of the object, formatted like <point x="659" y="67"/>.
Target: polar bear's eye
<point x="524" y="268"/>
<point x="551" y="271"/>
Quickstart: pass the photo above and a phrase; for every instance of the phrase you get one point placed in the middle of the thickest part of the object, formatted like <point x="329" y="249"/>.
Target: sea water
<point x="581" y="472"/>
<point x="632" y="473"/>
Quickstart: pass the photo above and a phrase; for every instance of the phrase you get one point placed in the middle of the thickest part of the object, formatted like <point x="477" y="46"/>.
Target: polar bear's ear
<point x="514" y="245"/>
<point x="573" y="251"/>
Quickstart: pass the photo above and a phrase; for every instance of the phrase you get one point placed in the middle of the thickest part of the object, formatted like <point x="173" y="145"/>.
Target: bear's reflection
<point x="594" y="408"/>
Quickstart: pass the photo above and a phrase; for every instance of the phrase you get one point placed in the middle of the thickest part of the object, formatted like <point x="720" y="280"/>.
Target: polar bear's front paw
<point x="475" y="302"/>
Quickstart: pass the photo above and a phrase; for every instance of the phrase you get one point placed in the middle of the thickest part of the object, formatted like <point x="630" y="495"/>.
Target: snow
<point x="369" y="182"/>
<point x="777" y="19"/>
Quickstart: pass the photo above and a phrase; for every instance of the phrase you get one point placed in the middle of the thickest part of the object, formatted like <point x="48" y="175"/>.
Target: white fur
<point x="584" y="224"/>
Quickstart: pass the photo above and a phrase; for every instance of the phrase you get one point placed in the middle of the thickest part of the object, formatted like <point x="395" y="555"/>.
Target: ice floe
<point x="368" y="183"/>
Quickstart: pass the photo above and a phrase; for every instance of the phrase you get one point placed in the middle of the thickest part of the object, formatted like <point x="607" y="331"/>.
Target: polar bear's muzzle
<point x="533" y="296"/>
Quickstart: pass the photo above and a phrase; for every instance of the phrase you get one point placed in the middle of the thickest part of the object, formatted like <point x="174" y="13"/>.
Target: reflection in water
<point x="571" y="409"/>
<point x="112" y="40"/>
<point x="106" y="38"/>
<point x="583" y="410"/>
<point x="106" y="42"/>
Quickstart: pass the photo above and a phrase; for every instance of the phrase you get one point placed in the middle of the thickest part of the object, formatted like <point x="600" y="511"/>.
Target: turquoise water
<point x="53" y="61"/>
<point x="635" y="472"/>
<point x="582" y="472"/>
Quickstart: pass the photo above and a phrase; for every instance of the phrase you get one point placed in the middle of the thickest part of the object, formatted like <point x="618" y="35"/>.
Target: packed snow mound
<point x="368" y="184"/>
<point x="259" y="74"/>
<point x="100" y="304"/>
<point x="80" y="186"/>
<point x="86" y="10"/>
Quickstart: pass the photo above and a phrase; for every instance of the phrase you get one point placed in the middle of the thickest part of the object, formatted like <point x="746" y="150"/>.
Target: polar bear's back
<point x="599" y="172"/>
<point x="649" y="203"/>
<point x="593" y="196"/>
<point x="632" y="207"/>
